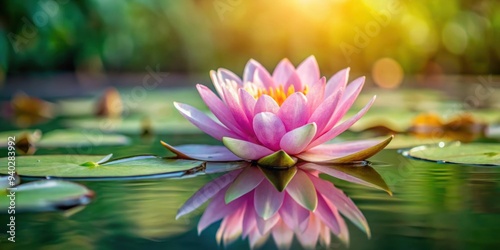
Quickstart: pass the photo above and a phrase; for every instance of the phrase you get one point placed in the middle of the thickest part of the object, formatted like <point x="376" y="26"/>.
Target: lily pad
<point x="408" y="141"/>
<point x="482" y="154"/>
<point x="92" y="167"/>
<point x="134" y="125"/>
<point x="395" y="120"/>
<point x="80" y="137"/>
<point x="45" y="195"/>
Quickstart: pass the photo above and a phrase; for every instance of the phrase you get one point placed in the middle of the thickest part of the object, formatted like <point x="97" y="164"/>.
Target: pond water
<point x="433" y="206"/>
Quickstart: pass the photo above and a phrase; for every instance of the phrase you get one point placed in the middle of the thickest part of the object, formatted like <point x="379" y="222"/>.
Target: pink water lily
<point x="250" y="207"/>
<point x="293" y="111"/>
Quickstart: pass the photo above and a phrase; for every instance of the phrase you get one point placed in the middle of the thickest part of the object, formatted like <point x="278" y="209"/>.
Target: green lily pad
<point x="135" y="101"/>
<point x="482" y="154"/>
<point x="77" y="106"/>
<point x="94" y="167"/>
<point x="80" y="137"/>
<point x="67" y="137"/>
<point x="407" y="141"/>
<point x="395" y="120"/>
<point x="135" y="125"/>
<point x="44" y="195"/>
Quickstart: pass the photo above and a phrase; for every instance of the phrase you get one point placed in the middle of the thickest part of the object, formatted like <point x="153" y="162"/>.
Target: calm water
<point x="433" y="206"/>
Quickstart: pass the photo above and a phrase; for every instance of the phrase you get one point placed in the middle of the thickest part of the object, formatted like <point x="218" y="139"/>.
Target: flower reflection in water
<point x="250" y="204"/>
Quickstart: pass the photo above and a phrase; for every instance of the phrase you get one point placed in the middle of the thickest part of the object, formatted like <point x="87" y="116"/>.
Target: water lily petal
<point x="250" y="69"/>
<point x="302" y="190"/>
<point x="246" y="150"/>
<point x="218" y="209"/>
<point x="315" y="95"/>
<point x="227" y="75"/>
<point x="267" y="200"/>
<point x="294" y="80"/>
<point x="344" y="152"/>
<point x="265" y="226"/>
<point x="218" y="85"/>
<point x="233" y="102"/>
<point x="341" y="127"/>
<point x="232" y="227"/>
<point x="219" y="109"/>
<point x="308" y="71"/>
<point x="203" y="122"/>
<point x="294" y="215"/>
<point x="296" y="141"/>
<point x="344" y="230"/>
<point x="282" y="235"/>
<point x="325" y="110"/>
<point x="266" y="103"/>
<point x="248" y="102"/>
<point x="206" y="192"/>
<point x="262" y="77"/>
<point x="348" y="97"/>
<point x="250" y="217"/>
<point x="325" y="236"/>
<point x="202" y="152"/>
<point x="294" y="111"/>
<point x="309" y="238"/>
<point x="327" y="215"/>
<point x="256" y="239"/>
<point x="344" y="204"/>
<point x="269" y="129"/>
<point x="337" y="82"/>
<point x="246" y="181"/>
<point x="283" y="71"/>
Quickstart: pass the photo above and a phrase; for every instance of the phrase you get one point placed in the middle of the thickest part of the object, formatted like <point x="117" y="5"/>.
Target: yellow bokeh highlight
<point x="387" y="73"/>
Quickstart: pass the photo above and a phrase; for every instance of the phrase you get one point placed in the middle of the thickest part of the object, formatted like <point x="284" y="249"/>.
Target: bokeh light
<point x="387" y="73"/>
<point x="99" y="37"/>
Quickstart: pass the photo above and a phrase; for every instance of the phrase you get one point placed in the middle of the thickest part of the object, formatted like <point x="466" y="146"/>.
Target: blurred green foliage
<point x="92" y="36"/>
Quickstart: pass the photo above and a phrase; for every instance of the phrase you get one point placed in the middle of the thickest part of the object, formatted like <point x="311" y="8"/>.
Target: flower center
<point x="279" y="94"/>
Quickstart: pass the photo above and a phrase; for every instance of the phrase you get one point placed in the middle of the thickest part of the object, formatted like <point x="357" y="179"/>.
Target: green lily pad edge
<point x="472" y="154"/>
<point x="42" y="196"/>
<point x="102" y="167"/>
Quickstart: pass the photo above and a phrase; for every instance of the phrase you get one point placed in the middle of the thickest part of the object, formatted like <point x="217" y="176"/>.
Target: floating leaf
<point x="45" y="195"/>
<point x="134" y="125"/>
<point x="79" y="167"/>
<point x="76" y="106"/>
<point x="80" y="137"/>
<point x="406" y="141"/>
<point x="483" y="154"/>
<point x="394" y="120"/>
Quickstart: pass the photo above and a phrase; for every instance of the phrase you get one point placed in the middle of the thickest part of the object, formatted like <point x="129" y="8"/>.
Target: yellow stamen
<point x="279" y="94"/>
